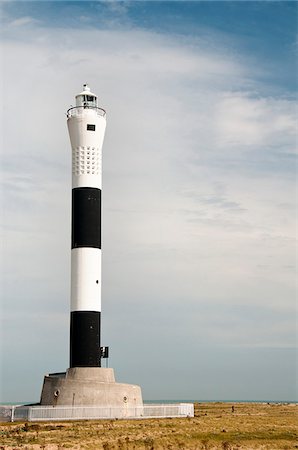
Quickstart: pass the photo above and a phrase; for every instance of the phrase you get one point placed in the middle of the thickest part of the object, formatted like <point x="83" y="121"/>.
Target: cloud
<point x="245" y="122"/>
<point x="21" y="21"/>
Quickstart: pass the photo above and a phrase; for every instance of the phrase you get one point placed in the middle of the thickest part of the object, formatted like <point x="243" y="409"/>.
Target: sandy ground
<point x="222" y="426"/>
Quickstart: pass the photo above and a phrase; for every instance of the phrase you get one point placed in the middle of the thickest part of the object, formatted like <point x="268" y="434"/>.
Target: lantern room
<point x="86" y="98"/>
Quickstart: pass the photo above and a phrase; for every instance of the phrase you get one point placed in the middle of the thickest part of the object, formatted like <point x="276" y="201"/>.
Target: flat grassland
<point x="215" y="426"/>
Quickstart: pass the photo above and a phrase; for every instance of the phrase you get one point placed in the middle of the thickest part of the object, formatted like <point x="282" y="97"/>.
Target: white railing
<point x="78" y="110"/>
<point x="44" y="413"/>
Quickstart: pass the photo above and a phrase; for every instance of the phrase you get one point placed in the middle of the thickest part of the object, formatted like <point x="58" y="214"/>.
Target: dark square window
<point x="90" y="127"/>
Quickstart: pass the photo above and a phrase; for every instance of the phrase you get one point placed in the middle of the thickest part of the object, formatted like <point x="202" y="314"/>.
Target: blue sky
<point x="258" y="30"/>
<point x="198" y="187"/>
<point x="264" y="28"/>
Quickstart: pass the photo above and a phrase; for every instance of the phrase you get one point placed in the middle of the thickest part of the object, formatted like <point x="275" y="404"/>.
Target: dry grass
<point x="250" y="426"/>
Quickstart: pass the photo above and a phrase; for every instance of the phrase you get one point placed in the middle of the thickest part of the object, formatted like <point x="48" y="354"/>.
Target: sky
<point x="199" y="179"/>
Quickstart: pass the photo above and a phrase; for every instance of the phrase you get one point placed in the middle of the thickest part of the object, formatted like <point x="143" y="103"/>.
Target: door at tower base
<point x="84" y="335"/>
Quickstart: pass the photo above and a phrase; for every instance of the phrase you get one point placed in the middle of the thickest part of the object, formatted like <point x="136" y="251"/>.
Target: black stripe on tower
<point x="85" y="339"/>
<point x="86" y="217"/>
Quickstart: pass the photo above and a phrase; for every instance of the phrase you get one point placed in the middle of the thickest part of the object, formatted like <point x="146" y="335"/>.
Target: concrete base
<point x="88" y="386"/>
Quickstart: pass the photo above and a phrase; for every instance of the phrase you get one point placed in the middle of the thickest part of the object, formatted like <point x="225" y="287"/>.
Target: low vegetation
<point x="223" y="426"/>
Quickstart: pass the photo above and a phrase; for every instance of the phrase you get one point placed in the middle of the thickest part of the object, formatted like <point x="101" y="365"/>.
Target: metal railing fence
<point x="46" y="413"/>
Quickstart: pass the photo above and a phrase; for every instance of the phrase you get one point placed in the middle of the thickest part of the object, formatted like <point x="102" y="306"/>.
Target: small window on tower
<point x="90" y="127"/>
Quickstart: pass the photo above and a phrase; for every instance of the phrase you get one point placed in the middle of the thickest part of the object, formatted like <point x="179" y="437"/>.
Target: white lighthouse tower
<point x="86" y="125"/>
<point x="86" y="383"/>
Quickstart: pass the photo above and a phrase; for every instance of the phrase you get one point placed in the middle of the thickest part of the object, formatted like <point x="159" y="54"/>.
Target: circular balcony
<point x="79" y="110"/>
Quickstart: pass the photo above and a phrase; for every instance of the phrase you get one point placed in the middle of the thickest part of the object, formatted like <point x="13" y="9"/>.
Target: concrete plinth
<point x="88" y="386"/>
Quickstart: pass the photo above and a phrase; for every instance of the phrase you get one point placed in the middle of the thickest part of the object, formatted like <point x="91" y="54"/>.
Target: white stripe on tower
<point x="86" y="125"/>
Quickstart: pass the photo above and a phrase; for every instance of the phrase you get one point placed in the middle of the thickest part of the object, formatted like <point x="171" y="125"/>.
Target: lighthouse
<point x="86" y="125"/>
<point x="85" y="382"/>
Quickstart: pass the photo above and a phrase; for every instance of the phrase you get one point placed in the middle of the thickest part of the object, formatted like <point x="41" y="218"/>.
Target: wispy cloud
<point x="244" y="122"/>
<point x="22" y="21"/>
